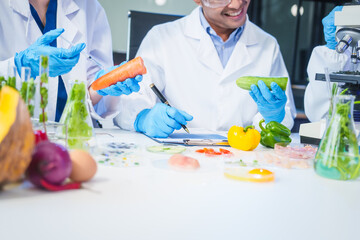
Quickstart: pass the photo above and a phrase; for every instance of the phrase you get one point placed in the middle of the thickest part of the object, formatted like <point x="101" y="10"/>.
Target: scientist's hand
<point x="271" y="105"/>
<point x="330" y="29"/>
<point x="61" y="60"/>
<point x="161" y="120"/>
<point x="126" y="87"/>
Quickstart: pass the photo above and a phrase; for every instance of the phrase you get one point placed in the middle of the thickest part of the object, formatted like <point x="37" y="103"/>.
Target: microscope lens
<point x="344" y="43"/>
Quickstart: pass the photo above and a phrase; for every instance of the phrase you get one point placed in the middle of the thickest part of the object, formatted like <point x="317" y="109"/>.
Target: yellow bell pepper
<point x="243" y="139"/>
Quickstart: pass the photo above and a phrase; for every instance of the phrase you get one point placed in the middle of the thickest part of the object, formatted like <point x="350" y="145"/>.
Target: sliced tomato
<point x="224" y="151"/>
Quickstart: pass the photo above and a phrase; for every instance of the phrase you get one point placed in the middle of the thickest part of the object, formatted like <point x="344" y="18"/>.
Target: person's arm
<point x="94" y="96"/>
<point x="130" y="106"/>
<point x="100" y="47"/>
<point x="104" y="103"/>
<point x="61" y="60"/>
<point x="287" y="108"/>
<point x="279" y="69"/>
<point x="316" y="98"/>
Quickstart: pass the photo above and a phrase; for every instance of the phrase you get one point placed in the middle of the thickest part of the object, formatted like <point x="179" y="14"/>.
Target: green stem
<point x="261" y="125"/>
<point x="344" y="91"/>
<point x="249" y="127"/>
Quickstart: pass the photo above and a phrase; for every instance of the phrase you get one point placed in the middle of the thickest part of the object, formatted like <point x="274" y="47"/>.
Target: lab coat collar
<point x="194" y="29"/>
<point x="206" y="50"/>
<point x="248" y="36"/>
<point x="193" y="26"/>
<point x="69" y="8"/>
<point x="23" y="8"/>
<point x="20" y="6"/>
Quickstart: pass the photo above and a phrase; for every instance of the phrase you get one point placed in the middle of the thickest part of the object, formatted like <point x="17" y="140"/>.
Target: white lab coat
<point x="183" y="63"/>
<point x="316" y="99"/>
<point x="83" y="21"/>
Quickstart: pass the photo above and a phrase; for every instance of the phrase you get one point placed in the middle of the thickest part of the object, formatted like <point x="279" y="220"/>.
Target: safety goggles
<point x="216" y="3"/>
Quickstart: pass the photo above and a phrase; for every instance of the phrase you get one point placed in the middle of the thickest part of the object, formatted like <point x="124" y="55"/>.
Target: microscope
<point x="347" y="24"/>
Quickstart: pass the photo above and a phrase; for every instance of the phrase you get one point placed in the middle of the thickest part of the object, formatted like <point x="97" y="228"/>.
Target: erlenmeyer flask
<point x="76" y="117"/>
<point x="338" y="153"/>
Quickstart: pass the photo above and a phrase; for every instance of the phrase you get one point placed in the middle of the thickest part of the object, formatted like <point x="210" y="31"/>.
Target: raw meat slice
<point x="183" y="162"/>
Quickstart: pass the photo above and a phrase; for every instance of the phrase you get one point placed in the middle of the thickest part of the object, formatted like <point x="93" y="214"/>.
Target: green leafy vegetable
<point x="27" y="93"/>
<point x="75" y="116"/>
<point x="23" y="90"/>
<point x="31" y="96"/>
<point x="11" y="82"/>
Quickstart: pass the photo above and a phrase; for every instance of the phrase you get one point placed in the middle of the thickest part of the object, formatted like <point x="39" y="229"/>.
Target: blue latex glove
<point x="330" y="29"/>
<point x="160" y="121"/>
<point x="271" y="105"/>
<point x="61" y="60"/>
<point x="126" y="87"/>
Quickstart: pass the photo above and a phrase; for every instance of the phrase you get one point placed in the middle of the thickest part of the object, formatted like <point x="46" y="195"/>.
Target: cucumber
<point x="166" y="149"/>
<point x="246" y="81"/>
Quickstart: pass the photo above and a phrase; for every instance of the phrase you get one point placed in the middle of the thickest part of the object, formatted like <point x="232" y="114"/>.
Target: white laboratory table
<point x="147" y="202"/>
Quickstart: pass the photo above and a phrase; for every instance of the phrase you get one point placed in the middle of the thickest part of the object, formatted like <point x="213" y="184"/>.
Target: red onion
<point x="50" y="162"/>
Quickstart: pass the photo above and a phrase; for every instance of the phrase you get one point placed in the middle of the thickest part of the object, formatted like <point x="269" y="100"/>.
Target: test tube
<point x="25" y="76"/>
<point x="44" y="88"/>
<point x="344" y="44"/>
<point x="11" y="77"/>
<point x="28" y="89"/>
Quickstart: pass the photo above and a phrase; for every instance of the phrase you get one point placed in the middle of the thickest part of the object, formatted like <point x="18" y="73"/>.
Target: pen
<point x="163" y="100"/>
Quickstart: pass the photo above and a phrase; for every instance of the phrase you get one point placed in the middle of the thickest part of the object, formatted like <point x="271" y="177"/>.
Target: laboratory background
<point x="297" y="34"/>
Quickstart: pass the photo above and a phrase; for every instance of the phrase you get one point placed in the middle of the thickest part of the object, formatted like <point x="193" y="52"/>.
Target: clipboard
<point x="198" y="139"/>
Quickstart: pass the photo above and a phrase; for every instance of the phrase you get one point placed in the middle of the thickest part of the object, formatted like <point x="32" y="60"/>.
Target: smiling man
<point x="195" y="61"/>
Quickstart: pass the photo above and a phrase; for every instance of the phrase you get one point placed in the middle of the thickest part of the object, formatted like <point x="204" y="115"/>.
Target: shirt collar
<point x="234" y="36"/>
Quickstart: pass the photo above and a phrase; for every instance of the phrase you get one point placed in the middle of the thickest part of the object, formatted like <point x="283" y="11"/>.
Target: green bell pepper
<point x="274" y="132"/>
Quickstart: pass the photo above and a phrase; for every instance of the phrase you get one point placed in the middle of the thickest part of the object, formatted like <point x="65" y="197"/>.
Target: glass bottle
<point x="76" y="117"/>
<point x="338" y="153"/>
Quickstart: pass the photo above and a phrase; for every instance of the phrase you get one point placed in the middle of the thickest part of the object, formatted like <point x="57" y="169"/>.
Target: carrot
<point x="128" y="70"/>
